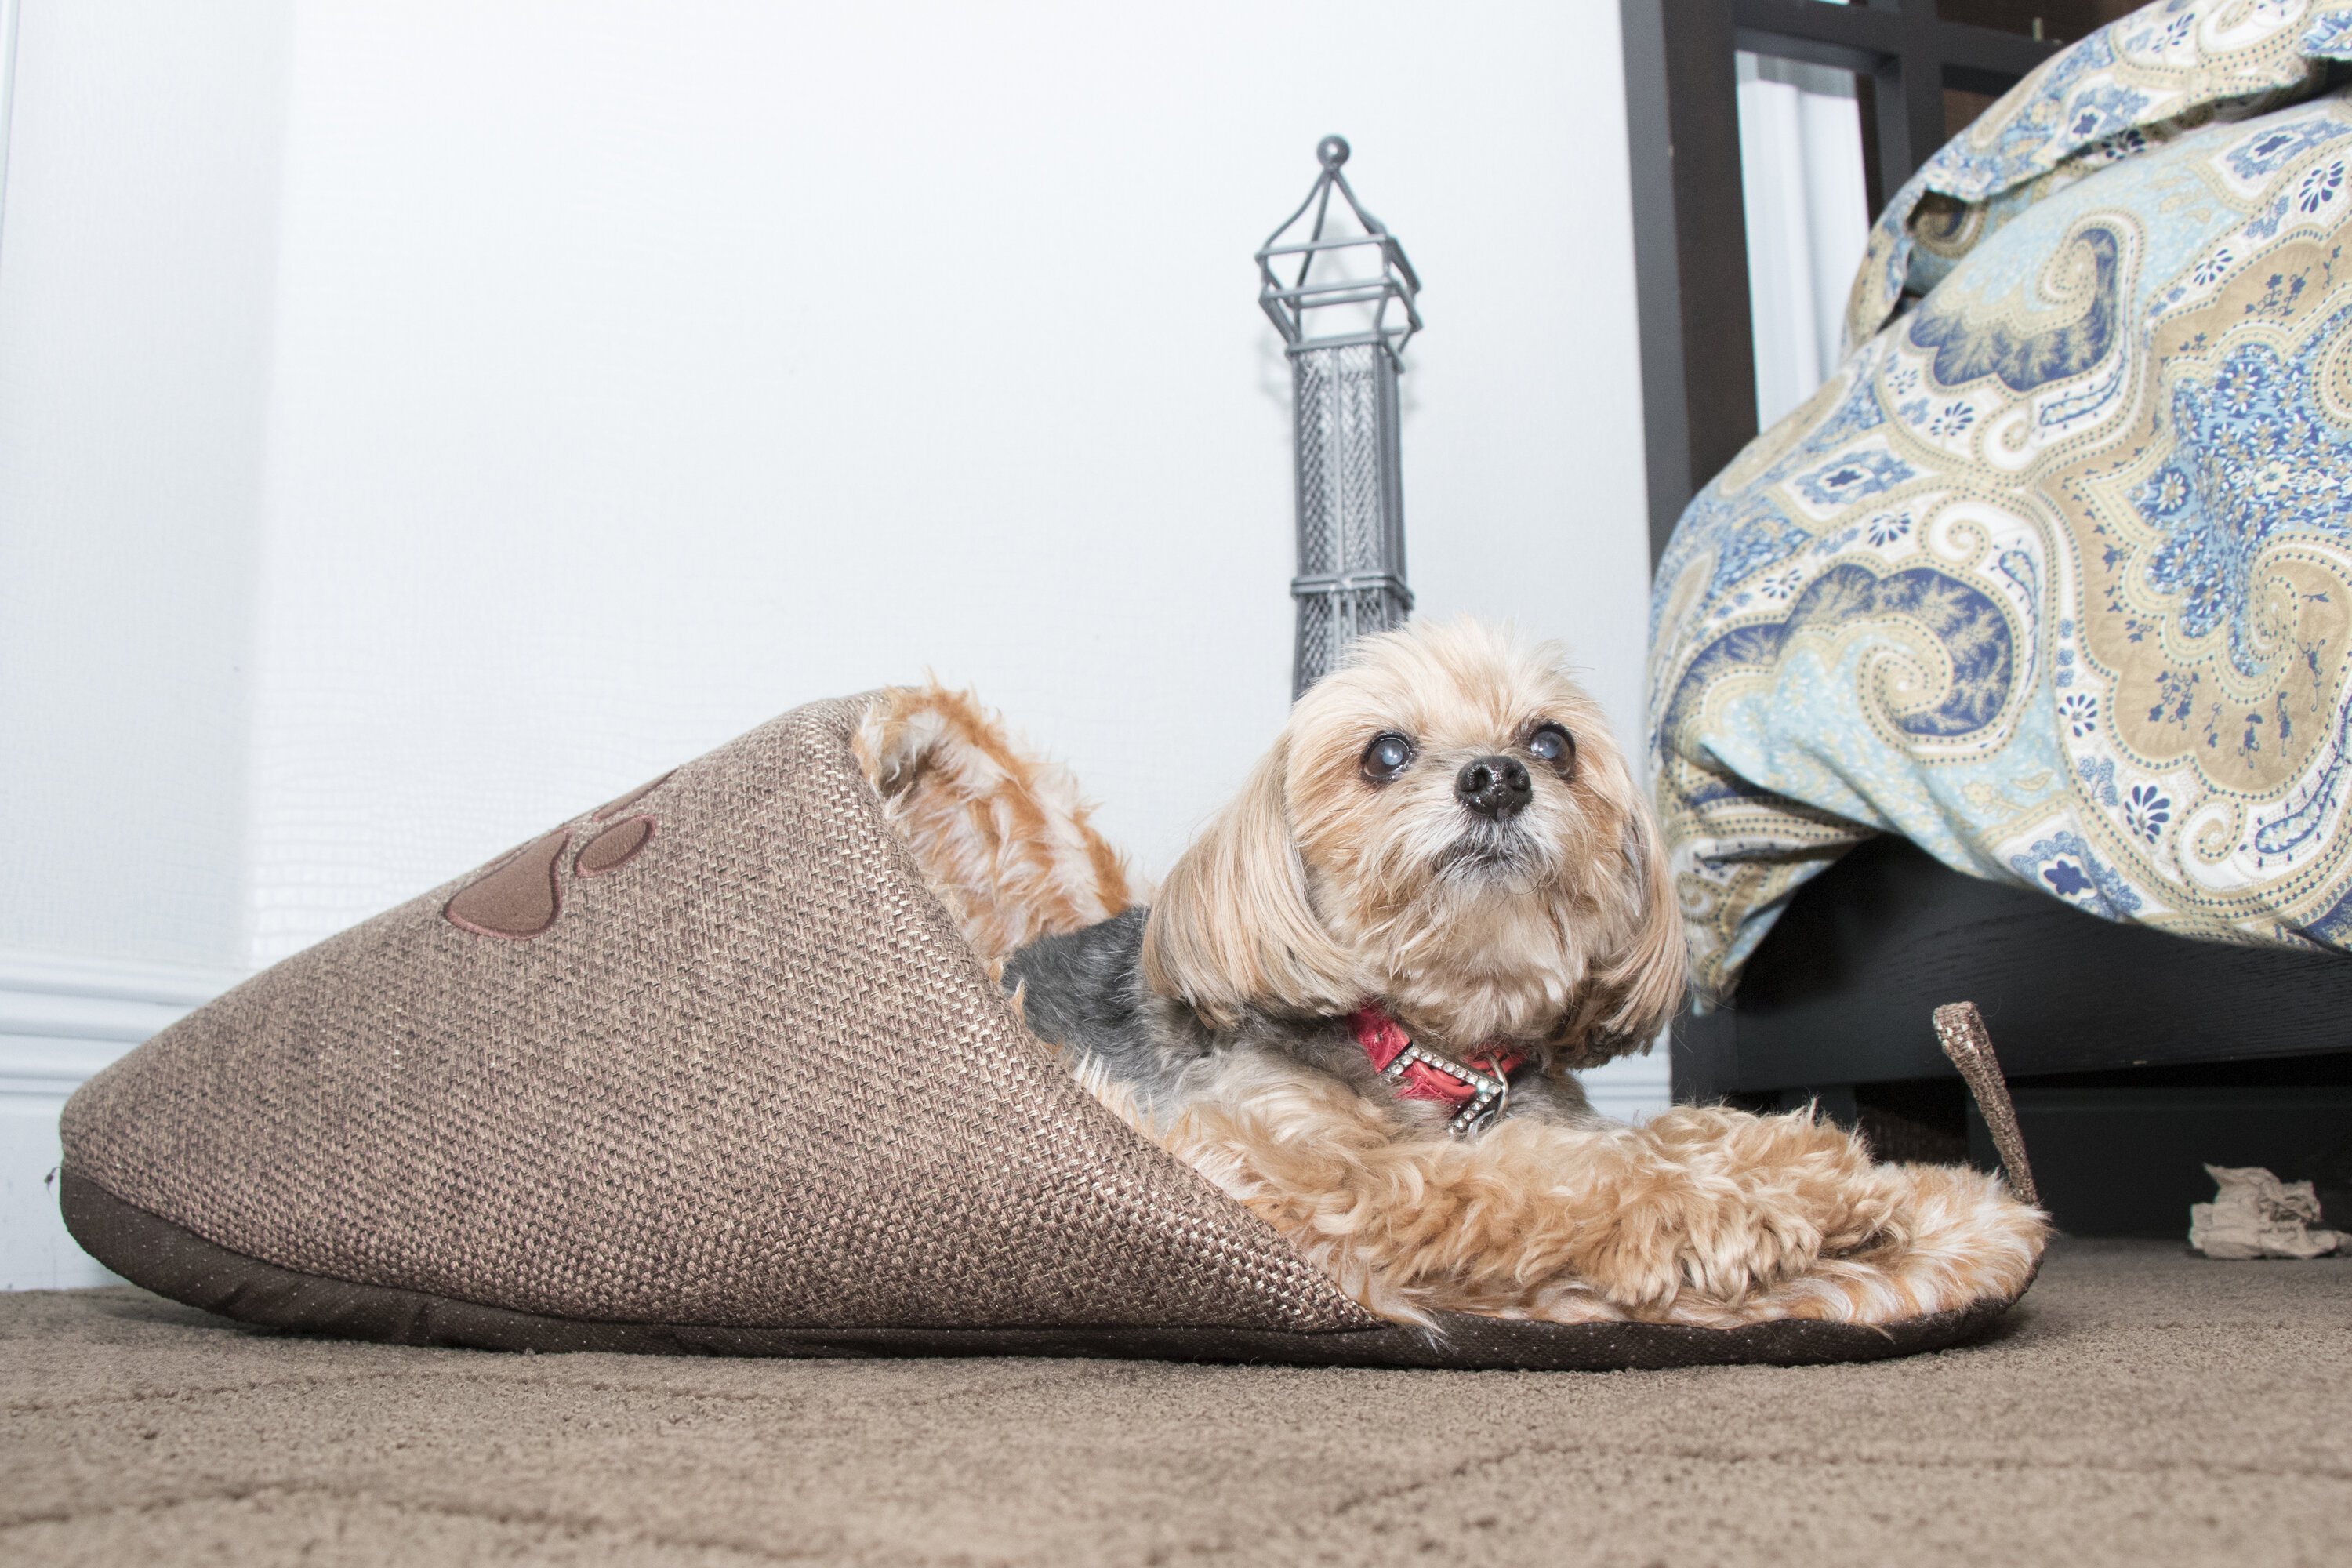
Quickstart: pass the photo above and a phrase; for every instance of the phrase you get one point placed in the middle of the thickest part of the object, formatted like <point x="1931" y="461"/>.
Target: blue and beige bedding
<point x="2054" y="577"/>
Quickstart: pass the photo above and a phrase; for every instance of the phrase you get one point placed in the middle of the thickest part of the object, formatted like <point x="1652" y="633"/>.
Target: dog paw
<point x="521" y="896"/>
<point x="1723" y="1205"/>
<point x="1718" y="1248"/>
<point x="1780" y="1217"/>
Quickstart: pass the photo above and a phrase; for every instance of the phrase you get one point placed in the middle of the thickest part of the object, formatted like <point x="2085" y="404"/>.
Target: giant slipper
<point x="713" y="1069"/>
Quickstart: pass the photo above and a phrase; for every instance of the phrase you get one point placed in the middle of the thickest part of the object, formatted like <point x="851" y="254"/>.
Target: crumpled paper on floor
<point x="2255" y="1214"/>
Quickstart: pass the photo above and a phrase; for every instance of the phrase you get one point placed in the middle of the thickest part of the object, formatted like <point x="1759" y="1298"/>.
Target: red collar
<point x="1420" y="1073"/>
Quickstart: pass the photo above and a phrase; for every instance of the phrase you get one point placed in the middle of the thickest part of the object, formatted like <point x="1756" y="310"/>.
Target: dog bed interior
<point x="715" y="1069"/>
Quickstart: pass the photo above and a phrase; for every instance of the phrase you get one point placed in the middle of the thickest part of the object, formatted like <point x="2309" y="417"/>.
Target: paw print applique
<point x="522" y="896"/>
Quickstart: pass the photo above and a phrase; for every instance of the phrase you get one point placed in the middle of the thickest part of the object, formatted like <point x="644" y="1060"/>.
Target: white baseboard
<point x="1630" y="1088"/>
<point x="62" y="1018"/>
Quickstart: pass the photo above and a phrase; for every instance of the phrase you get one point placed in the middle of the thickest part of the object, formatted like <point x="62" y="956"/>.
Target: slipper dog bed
<point x="723" y="1067"/>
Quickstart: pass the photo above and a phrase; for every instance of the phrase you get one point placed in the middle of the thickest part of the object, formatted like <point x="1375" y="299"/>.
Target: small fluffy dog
<point x="1357" y="1003"/>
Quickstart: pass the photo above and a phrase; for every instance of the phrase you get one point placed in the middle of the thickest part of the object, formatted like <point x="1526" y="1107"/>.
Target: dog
<point x="1357" y="1001"/>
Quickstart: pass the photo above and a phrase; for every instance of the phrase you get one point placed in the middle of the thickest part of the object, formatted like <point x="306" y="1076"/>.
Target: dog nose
<point x="1493" y="786"/>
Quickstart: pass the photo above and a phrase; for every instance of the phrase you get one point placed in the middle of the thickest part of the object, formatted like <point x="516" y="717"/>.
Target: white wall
<point x="1807" y="208"/>
<point x="418" y="421"/>
<point x="137" y="250"/>
<point x="635" y="381"/>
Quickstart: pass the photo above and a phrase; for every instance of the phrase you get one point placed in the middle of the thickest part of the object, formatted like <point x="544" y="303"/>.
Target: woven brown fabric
<point x="750" y="1077"/>
<point x="1960" y="1030"/>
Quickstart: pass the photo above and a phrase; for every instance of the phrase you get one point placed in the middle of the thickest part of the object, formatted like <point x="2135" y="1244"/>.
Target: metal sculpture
<point x="1346" y="313"/>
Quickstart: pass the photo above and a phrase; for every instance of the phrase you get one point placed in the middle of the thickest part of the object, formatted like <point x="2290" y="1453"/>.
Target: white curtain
<point x="1808" y="217"/>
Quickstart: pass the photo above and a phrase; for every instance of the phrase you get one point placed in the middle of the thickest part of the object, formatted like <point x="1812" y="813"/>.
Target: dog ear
<point x="1232" y="928"/>
<point x="1637" y="986"/>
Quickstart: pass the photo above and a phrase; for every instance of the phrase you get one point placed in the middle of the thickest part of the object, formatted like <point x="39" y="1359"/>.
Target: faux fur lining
<point x="999" y="831"/>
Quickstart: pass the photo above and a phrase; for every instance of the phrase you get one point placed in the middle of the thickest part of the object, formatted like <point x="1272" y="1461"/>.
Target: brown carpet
<point x="2143" y="1406"/>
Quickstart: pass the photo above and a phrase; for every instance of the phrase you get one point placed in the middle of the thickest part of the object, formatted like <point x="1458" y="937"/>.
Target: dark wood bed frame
<point x="2136" y="1055"/>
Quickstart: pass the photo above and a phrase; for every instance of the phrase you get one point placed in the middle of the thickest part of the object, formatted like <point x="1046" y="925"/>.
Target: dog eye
<point x="1554" y="745"/>
<point x="1389" y="755"/>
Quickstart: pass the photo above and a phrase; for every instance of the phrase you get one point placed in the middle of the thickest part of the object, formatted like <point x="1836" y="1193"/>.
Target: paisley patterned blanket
<point x="2054" y="576"/>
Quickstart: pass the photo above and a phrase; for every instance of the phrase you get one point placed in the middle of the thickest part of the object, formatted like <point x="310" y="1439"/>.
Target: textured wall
<point x="635" y="382"/>
<point x="136" y="261"/>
